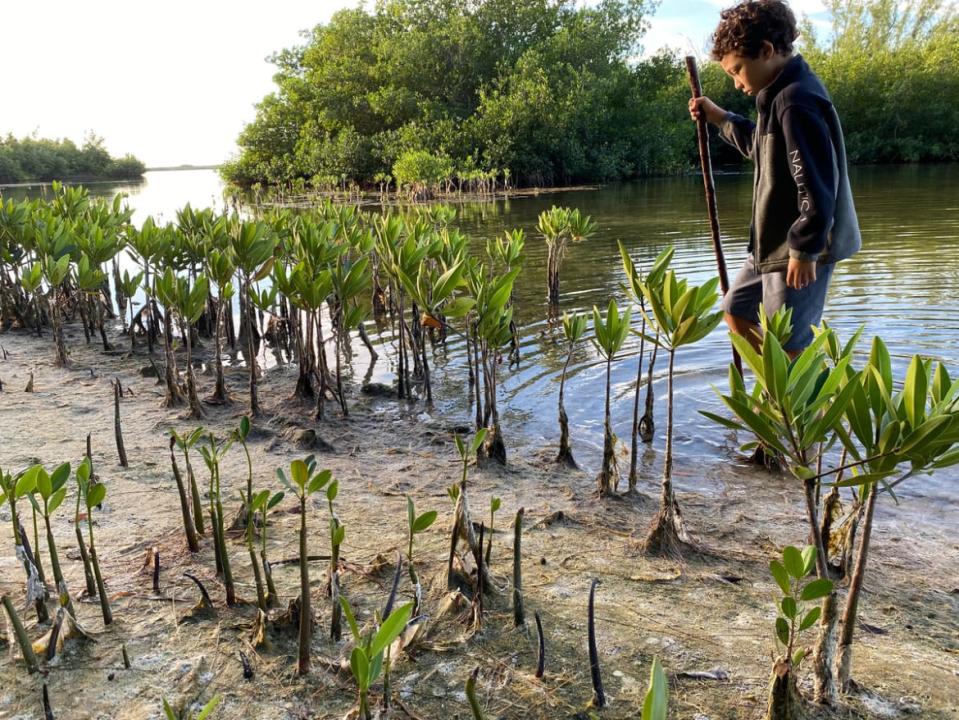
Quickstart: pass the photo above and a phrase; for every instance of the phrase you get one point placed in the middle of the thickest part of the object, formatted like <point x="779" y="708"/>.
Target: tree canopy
<point x="33" y="158"/>
<point x="558" y="92"/>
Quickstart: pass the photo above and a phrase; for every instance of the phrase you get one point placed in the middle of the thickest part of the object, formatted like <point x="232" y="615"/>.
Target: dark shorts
<point x="751" y="288"/>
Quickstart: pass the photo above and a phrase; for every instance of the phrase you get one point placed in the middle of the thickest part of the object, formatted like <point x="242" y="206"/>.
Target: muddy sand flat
<point x="709" y="617"/>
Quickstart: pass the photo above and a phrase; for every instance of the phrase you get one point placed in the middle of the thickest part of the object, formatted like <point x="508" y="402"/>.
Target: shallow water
<point x="902" y="285"/>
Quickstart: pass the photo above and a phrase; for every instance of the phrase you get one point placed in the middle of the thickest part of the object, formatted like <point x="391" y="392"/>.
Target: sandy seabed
<point x="708" y="617"/>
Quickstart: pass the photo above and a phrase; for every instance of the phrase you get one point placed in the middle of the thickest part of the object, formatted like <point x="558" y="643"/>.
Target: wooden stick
<point x="707" y="166"/>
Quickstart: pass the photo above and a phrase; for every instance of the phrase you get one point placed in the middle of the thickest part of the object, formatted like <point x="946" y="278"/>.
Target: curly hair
<point x="744" y="27"/>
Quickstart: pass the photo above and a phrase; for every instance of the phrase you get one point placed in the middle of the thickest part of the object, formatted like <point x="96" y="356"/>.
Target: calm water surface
<point x="903" y="286"/>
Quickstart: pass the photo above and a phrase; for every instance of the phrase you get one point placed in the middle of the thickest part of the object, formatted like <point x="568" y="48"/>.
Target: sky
<point x="175" y="82"/>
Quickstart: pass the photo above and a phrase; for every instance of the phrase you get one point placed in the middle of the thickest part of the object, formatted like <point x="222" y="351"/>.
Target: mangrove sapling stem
<point x="599" y="697"/>
<point x="47" y="710"/>
<point x="261" y="600"/>
<point x="22" y="543"/>
<point x="519" y="615"/>
<point x="634" y="435"/>
<point x="51" y="652"/>
<point x="668" y="530"/>
<point x="117" y="429"/>
<point x="91" y="588"/>
<point x="101" y="588"/>
<point x="471" y="695"/>
<point x="197" y="504"/>
<point x="188" y="525"/>
<point x="391" y="599"/>
<point x="203" y="592"/>
<point x="647" y="423"/>
<point x="565" y="451"/>
<point x="541" y="645"/>
<point x="126" y="656"/>
<point x="156" y="571"/>
<point x="221" y="538"/>
<point x="844" y="654"/>
<point x="26" y="648"/>
<point x="607" y="481"/>
<point x="55" y="563"/>
<point x="306" y="629"/>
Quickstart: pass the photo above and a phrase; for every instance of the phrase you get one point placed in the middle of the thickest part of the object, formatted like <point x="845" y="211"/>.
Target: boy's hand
<point x="707" y="108"/>
<point x="800" y="273"/>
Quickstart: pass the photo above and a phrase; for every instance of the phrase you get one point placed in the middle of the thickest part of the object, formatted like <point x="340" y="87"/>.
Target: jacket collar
<point x="792" y="70"/>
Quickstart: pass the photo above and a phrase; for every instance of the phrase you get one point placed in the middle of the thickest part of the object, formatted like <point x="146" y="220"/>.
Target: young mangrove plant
<point x="471" y="695"/>
<point x="494" y="505"/>
<point x="573" y="328"/>
<point x="643" y="426"/>
<point x="213" y="453"/>
<point x="93" y="493"/>
<point x="221" y="269"/>
<point x="656" y="702"/>
<point x="559" y="227"/>
<point x="251" y="504"/>
<point x="416" y="524"/>
<point x="599" y="695"/>
<point x="519" y="613"/>
<point x="128" y="286"/>
<point x="303" y="481"/>
<point x="793" y="618"/>
<point x="186" y="714"/>
<point x="337" y="535"/>
<point x="463" y="529"/>
<point x="13" y="488"/>
<point x="253" y="244"/>
<point x="681" y="315"/>
<point x="26" y="648"/>
<point x="185" y="443"/>
<point x="51" y="488"/>
<point x="189" y="304"/>
<point x="366" y="660"/>
<point x="609" y="336"/>
<point x="189" y="527"/>
<point x="264" y="507"/>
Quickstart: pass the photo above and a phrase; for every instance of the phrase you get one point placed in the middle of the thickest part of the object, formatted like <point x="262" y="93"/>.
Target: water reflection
<point x="902" y="286"/>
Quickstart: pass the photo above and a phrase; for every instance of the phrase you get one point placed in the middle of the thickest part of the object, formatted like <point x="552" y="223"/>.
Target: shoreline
<point x="712" y="610"/>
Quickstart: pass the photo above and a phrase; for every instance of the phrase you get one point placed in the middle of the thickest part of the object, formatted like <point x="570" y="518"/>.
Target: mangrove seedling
<point x="573" y="328"/>
<point x="494" y="505"/>
<point x="265" y="507"/>
<point x="610" y="334"/>
<point x="643" y="427"/>
<point x="221" y="269"/>
<point x="185" y="714"/>
<point x="681" y="315"/>
<point x="599" y="696"/>
<point x="91" y="588"/>
<point x="117" y="427"/>
<point x="337" y="535"/>
<point x="93" y="494"/>
<point x="463" y="529"/>
<point x="416" y="524"/>
<point x="559" y="227"/>
<point x="129" y="284"/>
<point x="656" y="702"/>
<point x="541" y="646"/>
<point x="26" y="648"/>
<point x="188" y="525"/>
<point x="52" y="490"/>
<point x="793" y="618"/>
<point x="185" y="442"/>
<point x="366" y="660"/>
<point x="213" y="453"/>
<point x="13" y="488"/>
<point x="303" y="482"/>
<point x="471" y="695"/>
<point x="519" y="614"/>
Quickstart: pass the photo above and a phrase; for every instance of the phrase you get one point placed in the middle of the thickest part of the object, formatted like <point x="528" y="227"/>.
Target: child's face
<point x="753" y="74"/>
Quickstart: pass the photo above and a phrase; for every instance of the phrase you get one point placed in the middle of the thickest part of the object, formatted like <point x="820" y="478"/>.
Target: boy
<point x="803" y="218"/>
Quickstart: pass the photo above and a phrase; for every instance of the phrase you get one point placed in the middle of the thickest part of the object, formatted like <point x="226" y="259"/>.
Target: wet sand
<point x="712" y="611"/>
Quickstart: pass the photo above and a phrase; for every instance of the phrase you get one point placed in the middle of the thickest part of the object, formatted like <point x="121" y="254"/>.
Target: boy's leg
<point x="806" y="304"/>
<point x="741" y="303"/>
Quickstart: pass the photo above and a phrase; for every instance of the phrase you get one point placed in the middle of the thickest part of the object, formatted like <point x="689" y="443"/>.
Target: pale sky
<point x="175" y="82"/>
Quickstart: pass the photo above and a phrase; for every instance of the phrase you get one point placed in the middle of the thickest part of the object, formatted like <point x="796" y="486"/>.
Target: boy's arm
<point x="734" y="129"/>
<point x="739" y="132"/>
<point x="811" y="162"/>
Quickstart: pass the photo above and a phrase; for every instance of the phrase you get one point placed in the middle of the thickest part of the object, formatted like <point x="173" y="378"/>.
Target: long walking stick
<point x="707" y="165"/>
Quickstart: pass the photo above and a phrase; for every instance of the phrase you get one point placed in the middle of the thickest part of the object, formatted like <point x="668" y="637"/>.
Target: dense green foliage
<point x="34" y="158"/>
<point x="891" y="69"/>
<point x="437" y="93"/>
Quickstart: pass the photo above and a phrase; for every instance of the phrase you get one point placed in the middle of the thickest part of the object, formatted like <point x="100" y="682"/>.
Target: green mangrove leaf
<point x="818" y="588"/>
